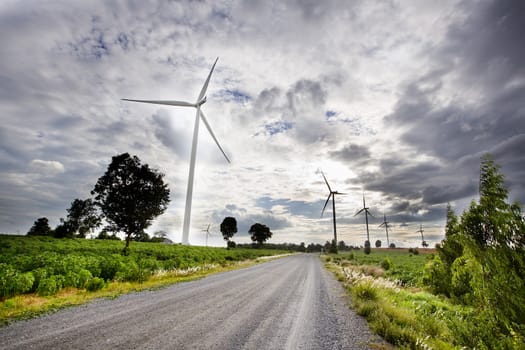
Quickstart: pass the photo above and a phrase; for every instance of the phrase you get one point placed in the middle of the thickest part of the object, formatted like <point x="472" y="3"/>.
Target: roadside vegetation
<point x="468" y="294"/>
<point x="39" y="273"/>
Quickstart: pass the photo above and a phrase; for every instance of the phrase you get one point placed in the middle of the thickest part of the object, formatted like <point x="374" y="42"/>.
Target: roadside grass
<point x="43" y="274"/>
<point x="31" y="305"/>
<point x="400" y="310"/>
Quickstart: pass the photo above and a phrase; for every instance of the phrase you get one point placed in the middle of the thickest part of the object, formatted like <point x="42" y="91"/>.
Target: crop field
<point x="46" y="268"/>
<point x="387" y="288"/>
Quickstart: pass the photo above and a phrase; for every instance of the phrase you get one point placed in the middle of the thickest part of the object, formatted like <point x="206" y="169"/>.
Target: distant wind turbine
<point x="367" y="212"/>
<point x="332" y="195"/>
<point x="423" y="242"/>
<point x="201" y="99"/>
<point x="207" y="233"/>
<point x="386" y="224"/>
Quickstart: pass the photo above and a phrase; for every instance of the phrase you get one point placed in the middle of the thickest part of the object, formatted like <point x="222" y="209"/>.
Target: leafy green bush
<point x="386" y="264"/>
<point x="95" y="283"/>
<point x="49" y="285"/>
<point x="12" y="282"/>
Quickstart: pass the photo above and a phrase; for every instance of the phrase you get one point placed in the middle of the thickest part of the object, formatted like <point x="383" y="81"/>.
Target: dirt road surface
<point x="289" y="303"/>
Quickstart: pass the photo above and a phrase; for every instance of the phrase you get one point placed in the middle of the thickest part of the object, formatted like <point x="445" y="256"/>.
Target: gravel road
<point x="288" y="303"/>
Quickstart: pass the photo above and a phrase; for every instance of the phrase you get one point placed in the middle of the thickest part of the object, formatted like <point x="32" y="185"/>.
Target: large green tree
<point x="130" y="195"/>
<point x="260" y="233"/>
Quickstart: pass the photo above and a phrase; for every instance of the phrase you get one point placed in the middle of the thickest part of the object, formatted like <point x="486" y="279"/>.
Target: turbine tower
<point x="367" y="212"/>
<point x="423" y="242"/>
<point x="201" y="99"/>
<point x="386" y="224"/>
<point x="332" y="195"/>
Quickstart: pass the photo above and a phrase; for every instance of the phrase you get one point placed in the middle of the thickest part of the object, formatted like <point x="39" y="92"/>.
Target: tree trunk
<point x="126" y="248"/>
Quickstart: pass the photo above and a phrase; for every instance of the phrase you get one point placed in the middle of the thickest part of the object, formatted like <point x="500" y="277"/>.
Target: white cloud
<point x="47" y="167"/>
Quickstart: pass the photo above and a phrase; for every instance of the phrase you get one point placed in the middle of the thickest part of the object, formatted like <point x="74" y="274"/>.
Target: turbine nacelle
<point x="200" y="102"/>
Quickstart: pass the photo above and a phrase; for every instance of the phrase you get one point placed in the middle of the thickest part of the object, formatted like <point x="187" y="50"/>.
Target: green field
<point x="387" y="288"/>
<point x="42" y="273"/>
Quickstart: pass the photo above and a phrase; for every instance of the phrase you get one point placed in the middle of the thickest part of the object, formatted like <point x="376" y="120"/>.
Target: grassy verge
<point x="31" y="305"/>
<point x="402" y="312"/>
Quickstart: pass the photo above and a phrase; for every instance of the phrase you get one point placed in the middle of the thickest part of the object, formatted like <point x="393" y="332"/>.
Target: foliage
<point x="481" y="261"/>
<point x="260" y="233"/>
<point x="63" y="230"/>
<point x="333" y="247"/>
<point x="45" y="265"/>
<point x="83" y="217"/>
<point x="228" y="228"/>
<point x="40" y="228"/>
<point x="411" y="317"/>
<point x="378" y="243"/>
<point x="130" y="195"/>
<point x="368" y="250"/>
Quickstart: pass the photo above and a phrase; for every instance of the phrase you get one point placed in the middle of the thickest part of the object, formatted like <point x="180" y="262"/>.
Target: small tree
<point x="260" y="233"/>
<point x="83" y="217"/>
<point x="392" y="245"/>
<point x="378" y="243"/>
<point x="130" y="196"/>
<point x="368" y="250"/>
<point x="40" y="228"/>
<point x="64" y="230"/>
<point x="228" y="229"/>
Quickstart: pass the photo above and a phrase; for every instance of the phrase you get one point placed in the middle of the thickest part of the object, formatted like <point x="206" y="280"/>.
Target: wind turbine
<point x="207" y="234"/>
<point x="201" y="99"/>
<point x="332" y="195"/>
<point x="423" y="242"/>
<point x="387" y="225"/>
<point x="367" y="212"/>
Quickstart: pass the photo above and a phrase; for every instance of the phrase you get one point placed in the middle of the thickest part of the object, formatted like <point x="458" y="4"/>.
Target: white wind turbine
<point x="201" y="99"/>
<point x="331" y="194"/>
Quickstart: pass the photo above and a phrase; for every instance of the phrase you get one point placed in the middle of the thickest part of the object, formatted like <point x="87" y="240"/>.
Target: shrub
<point x="365" y="291"/>
<point x="95" y="283"/>
<point x="386" y="264"/>
<point x="437" y="276"/>
<point x="368" y="250"/>
<point x="13" y="282"/>
<point x="49" y="285"/>
<point x="84" y="276"/>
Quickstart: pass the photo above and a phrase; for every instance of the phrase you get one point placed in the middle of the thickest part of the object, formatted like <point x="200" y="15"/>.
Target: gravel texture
<point x="289" y="303"/>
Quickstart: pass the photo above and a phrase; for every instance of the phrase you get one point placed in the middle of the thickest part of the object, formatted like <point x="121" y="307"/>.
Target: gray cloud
<point x="403" y="98"/>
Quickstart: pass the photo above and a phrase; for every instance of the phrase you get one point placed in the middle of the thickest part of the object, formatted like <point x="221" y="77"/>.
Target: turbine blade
<point x="205" y="86"/>
<point x="169" y="103"/>
<point x="212" y="134"/>
<point x="326" y="203"/>
<point x="359" y="212"/>
<point x="325" y="180"/>
<point x="383" y="224"/>
<point x="369" y="213"/>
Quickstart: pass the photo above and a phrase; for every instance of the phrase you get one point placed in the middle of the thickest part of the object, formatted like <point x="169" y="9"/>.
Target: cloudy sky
<point x="396" y="99"/>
